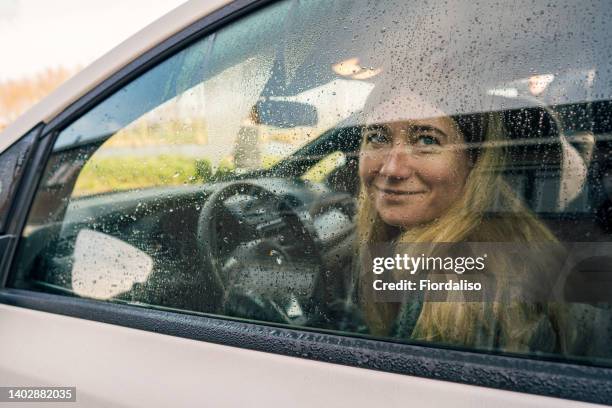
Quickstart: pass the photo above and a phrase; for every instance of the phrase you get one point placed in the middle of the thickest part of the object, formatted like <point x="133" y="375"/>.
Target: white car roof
<point x="103" y="67"/>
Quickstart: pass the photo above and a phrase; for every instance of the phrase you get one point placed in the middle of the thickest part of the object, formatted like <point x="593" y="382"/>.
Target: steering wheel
<point x="262" y="258"/>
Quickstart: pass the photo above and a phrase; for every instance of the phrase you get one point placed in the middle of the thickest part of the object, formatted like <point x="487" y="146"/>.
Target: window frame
<point x="522" y="374"/>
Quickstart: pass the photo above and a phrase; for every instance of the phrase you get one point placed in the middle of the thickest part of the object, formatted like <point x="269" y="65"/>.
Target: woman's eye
<point x="428" y="141"/>
<point x="377" y="137"/>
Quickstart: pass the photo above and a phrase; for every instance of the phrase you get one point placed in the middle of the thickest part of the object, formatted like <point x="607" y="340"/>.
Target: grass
<point x="107" y="174"/>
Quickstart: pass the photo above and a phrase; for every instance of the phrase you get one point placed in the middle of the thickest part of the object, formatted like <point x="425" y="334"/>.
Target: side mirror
<point x="105" y="266"/>
<point x="285" y="114"/>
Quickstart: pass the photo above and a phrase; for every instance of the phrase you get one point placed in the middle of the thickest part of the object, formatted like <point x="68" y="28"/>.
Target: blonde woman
<point x="427" y="177"/>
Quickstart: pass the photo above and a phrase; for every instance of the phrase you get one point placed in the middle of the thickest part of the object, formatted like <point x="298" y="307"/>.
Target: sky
<point x="40" y="34"/>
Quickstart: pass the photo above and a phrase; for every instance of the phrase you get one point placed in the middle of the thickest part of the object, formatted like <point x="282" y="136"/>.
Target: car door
<point x="187" y="231"/>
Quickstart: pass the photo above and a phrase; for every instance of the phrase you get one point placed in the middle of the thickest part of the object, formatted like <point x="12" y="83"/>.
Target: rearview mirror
<point x="285" y="114"/>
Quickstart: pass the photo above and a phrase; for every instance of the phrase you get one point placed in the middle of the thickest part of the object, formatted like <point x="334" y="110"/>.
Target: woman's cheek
<point x="433" y="169"/>
<point x="443" y="168"/>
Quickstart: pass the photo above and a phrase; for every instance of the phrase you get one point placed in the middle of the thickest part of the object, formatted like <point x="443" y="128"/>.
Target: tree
<point x="17" y="96"/>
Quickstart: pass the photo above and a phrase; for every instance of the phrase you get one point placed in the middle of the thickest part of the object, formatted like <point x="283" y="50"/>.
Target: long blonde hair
<point x="508" y="326"/>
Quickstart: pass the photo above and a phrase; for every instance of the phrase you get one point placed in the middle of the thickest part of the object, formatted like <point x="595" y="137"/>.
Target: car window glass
<point x="12" y="165"/>
<point x="428" y="173"/>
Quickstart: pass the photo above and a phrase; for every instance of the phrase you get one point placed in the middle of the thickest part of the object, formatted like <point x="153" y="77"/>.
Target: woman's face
<point x="413" y="170"/>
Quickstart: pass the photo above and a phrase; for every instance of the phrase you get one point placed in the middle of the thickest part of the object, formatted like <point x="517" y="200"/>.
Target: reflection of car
<point x="189" y="202"/>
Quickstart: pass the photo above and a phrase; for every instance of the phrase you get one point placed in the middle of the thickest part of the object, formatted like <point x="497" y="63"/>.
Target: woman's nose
<point x="398" y="162"/>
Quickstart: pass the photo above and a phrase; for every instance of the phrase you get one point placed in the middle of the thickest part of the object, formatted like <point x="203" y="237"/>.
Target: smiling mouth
<point x="394" y="192"/>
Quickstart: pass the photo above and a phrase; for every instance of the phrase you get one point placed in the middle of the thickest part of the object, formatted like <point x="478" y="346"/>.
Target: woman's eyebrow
<point x="377" y="126"/>
<point x="428" y="128"/>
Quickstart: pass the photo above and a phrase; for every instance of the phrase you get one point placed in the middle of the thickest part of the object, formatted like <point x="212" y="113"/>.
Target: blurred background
<point x="44" y="43"/>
